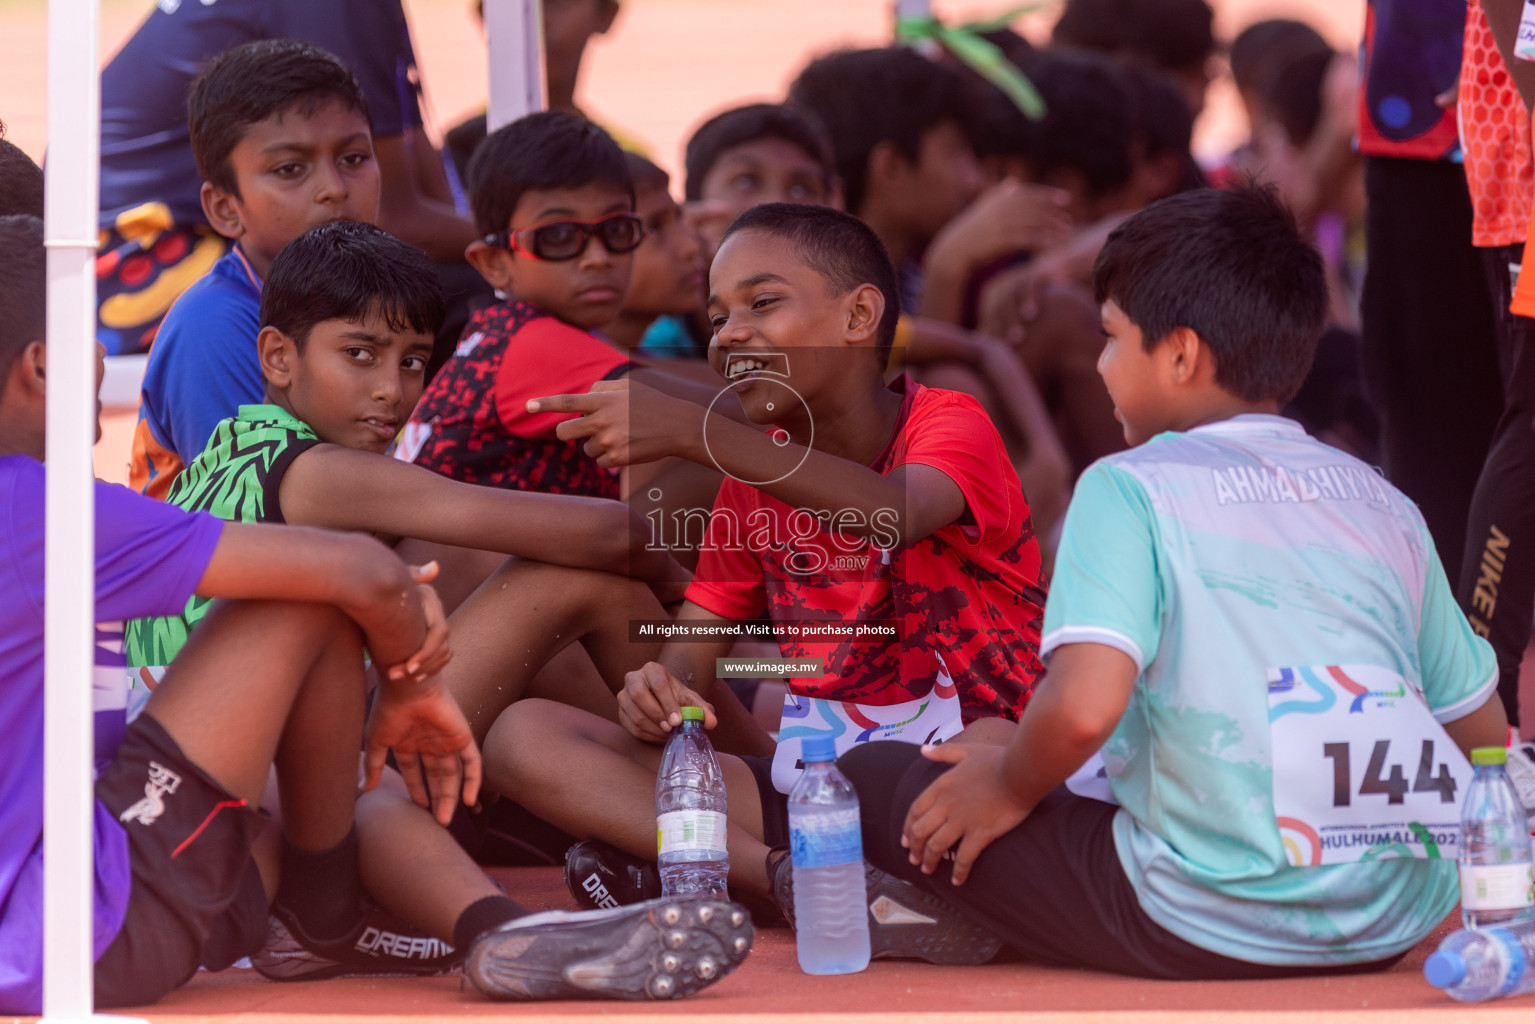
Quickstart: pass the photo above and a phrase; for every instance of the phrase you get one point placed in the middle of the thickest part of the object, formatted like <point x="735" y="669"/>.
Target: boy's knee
<point x="530" y="740"/>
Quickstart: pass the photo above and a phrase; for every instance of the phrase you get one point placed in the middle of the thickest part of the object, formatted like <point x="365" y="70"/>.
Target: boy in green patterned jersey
<point x="347" y="316"/>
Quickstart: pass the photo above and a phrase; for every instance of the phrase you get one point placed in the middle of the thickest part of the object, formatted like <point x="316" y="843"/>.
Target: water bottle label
<point x="1496" y="886"/>
<point x="826" y="840"/>
<point x="686" y="831"/>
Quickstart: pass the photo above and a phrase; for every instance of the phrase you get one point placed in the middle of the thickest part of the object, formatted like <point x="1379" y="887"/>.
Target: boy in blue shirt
<point x="185" y="865"/>
<point x="280" y="132"/>
<point x="1255" y="630"/>
<point x="155" y="241"/>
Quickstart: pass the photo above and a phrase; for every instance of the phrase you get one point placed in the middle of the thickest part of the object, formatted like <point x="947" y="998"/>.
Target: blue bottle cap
<point x="1444" y="969"/>
<point x="814" y="749"/>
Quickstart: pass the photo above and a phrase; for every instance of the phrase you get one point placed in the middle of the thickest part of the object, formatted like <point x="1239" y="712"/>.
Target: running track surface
<point x="769" y="988"/>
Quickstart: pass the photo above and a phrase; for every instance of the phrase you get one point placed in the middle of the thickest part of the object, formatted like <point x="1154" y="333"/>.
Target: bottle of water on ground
<point x="1474" y="965"/>
<point x="690" y="813"/>
<point x="1496" y="884"/>
<point x="826" y="847"/>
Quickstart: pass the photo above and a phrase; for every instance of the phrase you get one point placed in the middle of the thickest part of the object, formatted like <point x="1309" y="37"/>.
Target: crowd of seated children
<point x="347" y="321"/>
<point x="554" y="202"/>
<point x="185" y="863"/>
<point x="1208" y="605"/>
<point x="944" y="340"/>
<point x="1300" y="97"/>
<point x="279" y="130"/>
<point x="909" y="169"/>
<point x="900" y="507"/>
<point x="765" y="152"/>
<point x="1174" y="36"/>
<point x="156" y="241"/>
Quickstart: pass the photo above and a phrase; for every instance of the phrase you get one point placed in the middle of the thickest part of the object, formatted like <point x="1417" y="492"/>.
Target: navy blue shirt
<point x="145" y="151"/>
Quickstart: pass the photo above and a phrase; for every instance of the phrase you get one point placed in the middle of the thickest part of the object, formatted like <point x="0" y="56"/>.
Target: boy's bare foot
<point x="663" y="949"/>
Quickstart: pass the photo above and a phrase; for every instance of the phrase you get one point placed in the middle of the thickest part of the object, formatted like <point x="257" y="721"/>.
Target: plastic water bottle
<point x="1473" y="965"/>
<point x="1496" y="884"/>
<point x="831" y="920"/>
<point x="690" y="813"/>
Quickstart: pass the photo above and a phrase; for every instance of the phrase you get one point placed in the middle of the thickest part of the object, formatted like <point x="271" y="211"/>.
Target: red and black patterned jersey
<point x="472" y="423"/>
<point x="967" y="599"/>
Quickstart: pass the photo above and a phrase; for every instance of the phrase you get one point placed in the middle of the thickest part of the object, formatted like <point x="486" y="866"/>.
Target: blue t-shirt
<point x="149" y="559"/>
<point x="1210" y="558"/>
<point x="145" y="152"/>
<point x="202" y="368"/>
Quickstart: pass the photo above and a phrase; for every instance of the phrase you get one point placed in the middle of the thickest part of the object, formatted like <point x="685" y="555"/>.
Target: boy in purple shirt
<point x="181" y="878"/>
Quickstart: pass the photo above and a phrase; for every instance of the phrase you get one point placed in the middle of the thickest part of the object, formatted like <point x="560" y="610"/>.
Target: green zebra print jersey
<point x="235" y="478"/>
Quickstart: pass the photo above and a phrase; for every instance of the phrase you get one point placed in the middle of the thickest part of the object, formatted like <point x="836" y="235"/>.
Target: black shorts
<point x="197" y="898"/>
<point x="1052" y="888"/>
<point x="775" y="806"/>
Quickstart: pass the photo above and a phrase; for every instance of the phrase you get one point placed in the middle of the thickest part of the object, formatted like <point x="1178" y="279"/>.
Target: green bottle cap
<point x="691" y="714"/>
<point x="1489" y="755"/>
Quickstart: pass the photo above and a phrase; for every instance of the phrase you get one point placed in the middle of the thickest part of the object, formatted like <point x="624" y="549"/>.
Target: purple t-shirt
<point x="149" y="559"/>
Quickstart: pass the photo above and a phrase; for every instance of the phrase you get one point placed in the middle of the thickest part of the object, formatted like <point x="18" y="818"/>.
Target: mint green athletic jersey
<point x="1211" y="558"/>
<point x="235" y="478"/>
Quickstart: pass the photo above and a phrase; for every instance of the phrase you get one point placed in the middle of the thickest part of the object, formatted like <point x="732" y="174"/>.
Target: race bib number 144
<point x="1361" y="768"/>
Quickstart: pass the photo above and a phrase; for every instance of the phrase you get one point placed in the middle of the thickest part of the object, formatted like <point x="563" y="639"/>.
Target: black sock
<point x="480" y="917"/>
<point x="322" y="889"/>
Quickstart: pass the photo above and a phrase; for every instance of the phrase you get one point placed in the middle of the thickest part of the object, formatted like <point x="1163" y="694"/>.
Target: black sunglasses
<point x="567" y="239"/>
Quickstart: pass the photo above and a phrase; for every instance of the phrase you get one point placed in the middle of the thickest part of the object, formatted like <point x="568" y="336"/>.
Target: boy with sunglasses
<point x="554" y="201"/>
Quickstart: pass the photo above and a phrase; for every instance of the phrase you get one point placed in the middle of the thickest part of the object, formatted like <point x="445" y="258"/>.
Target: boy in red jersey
<point x="881" y="529"/>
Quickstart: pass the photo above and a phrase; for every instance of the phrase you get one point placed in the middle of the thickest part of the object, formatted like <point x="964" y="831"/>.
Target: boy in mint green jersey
<point x="1255" y="631"/>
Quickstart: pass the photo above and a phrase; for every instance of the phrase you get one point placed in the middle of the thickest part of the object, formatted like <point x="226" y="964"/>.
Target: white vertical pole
<point x="74" y="117"/>
<point x="514" y="40"/>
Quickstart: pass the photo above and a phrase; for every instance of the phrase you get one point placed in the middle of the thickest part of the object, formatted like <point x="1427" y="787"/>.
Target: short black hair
<point x="1262" y="47"/>
<point x="248" y="84"/>
<point x="645" y="174"/>
<point x="1292" y="94"/>
<point x="23" y="287"/>
<point x="740" y="125"/>
<point x="1232" y="266"/>
<point x="1177" y="35"/>
<point x="836" y="245"/>
<point x="545" y="150"/>
<point x="21" y="182"/>
<point x="346" y="270"/>
<point x="1088" y="126"/>
<point x="865" y="97"/>
<point x="1163" y="121"/>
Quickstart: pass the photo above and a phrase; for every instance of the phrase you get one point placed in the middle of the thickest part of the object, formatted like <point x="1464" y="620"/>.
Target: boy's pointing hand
<point x="624" y="423"/>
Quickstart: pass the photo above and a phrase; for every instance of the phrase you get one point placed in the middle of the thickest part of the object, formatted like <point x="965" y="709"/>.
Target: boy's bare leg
<point x="595" y="781"/>
<point x="413" y="866"/>
<point x="523" y="615"/>
<point x="263" y="682"/>
<point x="459" y="570"/>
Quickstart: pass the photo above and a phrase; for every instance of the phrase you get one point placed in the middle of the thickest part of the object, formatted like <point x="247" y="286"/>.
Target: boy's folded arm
<point x="342" y="489"/>
<point x="354" y="572"/>
<point x="908" y="503"/>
